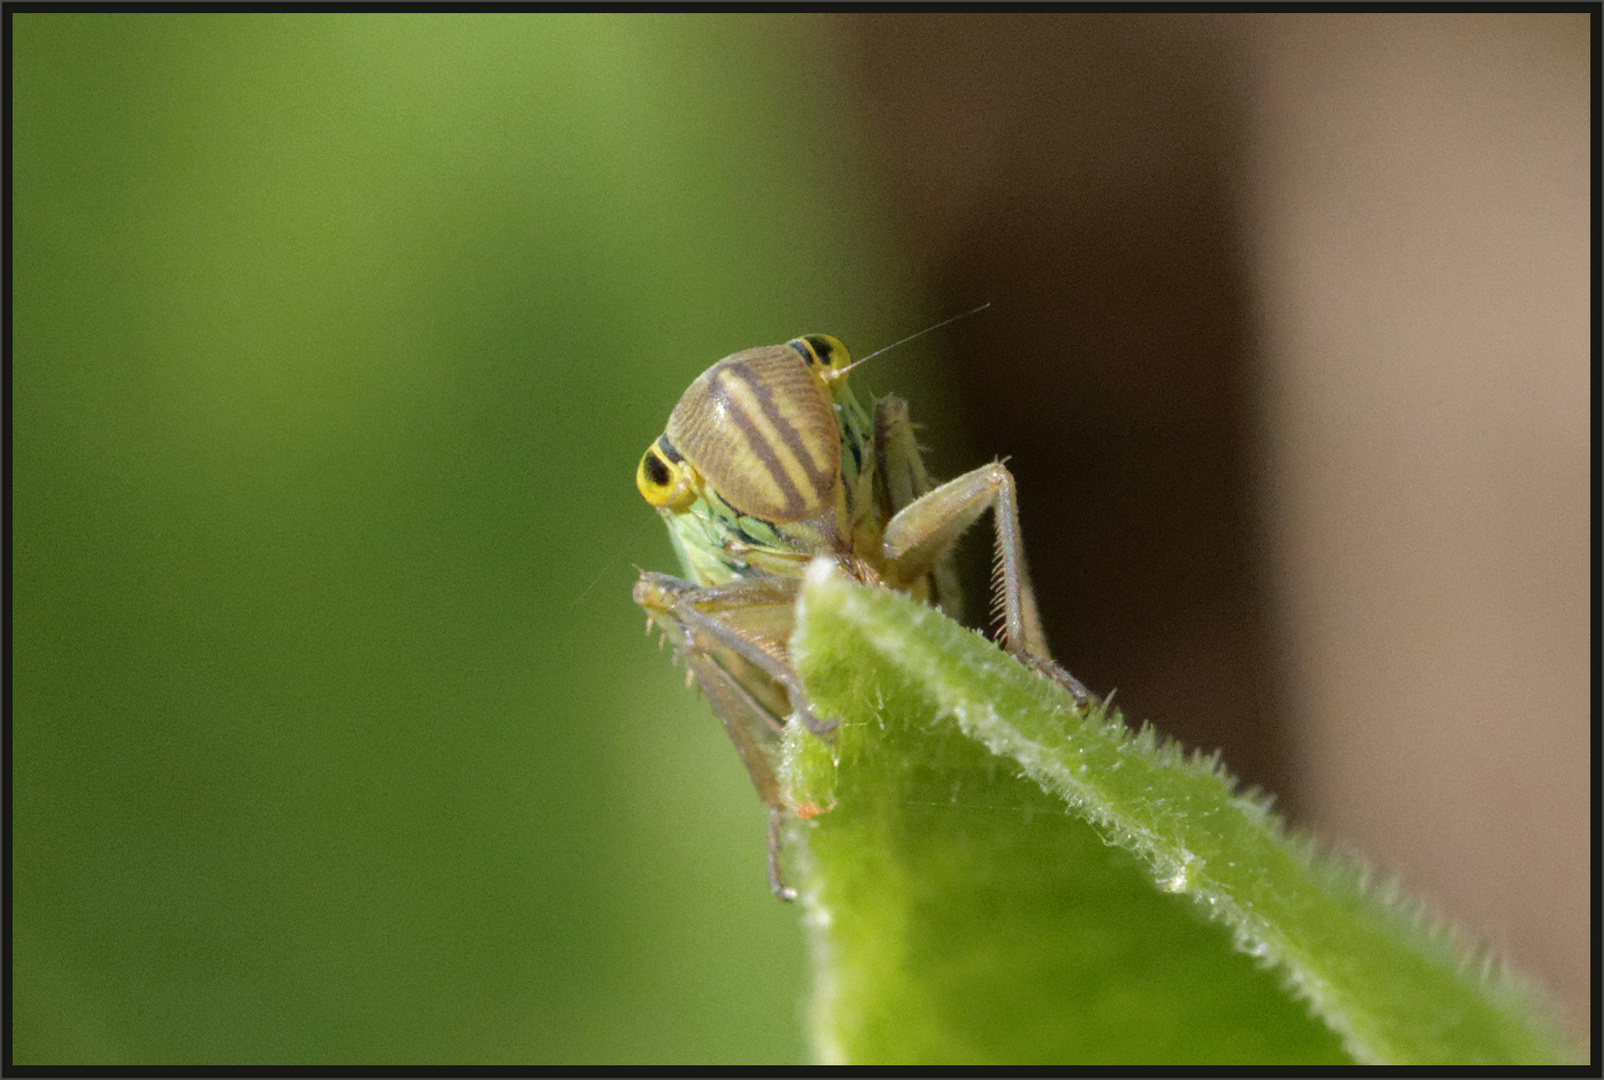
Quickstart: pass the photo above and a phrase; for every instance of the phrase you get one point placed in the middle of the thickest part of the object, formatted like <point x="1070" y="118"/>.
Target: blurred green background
<point x="337" y="339"/>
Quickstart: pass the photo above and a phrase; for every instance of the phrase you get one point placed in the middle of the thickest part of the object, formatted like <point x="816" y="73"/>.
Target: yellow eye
<point x="664" y="479"/>
<point x="825" y="354"/>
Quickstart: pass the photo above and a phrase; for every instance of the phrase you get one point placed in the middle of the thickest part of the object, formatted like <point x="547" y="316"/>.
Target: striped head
<point x="759" y="429"/>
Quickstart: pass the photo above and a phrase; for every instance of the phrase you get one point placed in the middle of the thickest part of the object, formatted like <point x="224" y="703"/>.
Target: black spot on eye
<point x="656" y="471"/>
<point x="820" y="347"/>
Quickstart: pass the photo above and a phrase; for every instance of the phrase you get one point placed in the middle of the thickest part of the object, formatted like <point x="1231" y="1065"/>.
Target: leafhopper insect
<point x="768" y="462"/>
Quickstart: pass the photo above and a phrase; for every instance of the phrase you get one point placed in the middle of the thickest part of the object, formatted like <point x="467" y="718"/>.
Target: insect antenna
<point x="921" y="333"/>
<point x="607" y="565"/>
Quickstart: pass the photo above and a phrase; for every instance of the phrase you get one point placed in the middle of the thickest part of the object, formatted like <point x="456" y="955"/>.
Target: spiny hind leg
<point x="924" y="531"/>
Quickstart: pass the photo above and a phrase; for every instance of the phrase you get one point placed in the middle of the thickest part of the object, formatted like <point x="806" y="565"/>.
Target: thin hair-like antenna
<point x="921" y="333"/>
<point x="634" y="538"/>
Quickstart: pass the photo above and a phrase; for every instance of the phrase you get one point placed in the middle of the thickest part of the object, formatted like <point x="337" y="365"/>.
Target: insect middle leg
<point x="901" y="468"/>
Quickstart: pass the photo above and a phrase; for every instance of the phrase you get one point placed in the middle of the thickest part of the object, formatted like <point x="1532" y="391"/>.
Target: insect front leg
<point x="752" y="618"/>
<point x="921" y="534"/>
<point x="727" y="647"/>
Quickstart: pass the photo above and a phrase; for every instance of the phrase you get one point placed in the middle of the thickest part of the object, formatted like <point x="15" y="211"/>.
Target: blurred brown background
<point x="1288" y="349"/>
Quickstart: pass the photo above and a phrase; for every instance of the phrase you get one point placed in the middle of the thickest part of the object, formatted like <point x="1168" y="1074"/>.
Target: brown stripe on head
<point x="761" y="429"/>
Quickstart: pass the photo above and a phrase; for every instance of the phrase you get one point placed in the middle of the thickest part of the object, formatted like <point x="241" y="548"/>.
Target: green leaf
<point x="982" y="887"/>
